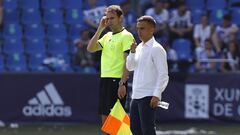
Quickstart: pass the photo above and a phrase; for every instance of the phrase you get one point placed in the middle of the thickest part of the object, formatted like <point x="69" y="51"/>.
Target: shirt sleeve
<point x="196" y="31"/>
<point x="189" y="22"/>
<point x="173" y="18"/>
<point x="102" y="40"/>
<point x="131" y="62"/>
<point x="160" y="62"/>
<point x="127" y="42"/>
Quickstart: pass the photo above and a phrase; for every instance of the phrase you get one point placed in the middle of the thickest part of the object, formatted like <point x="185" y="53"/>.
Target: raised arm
<point x="93" y="44"/>
<point x="131" y="62"/>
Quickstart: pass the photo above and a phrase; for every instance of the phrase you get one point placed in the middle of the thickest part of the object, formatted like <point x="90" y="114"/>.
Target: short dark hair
<point x="227" y="17"/>
<point x="147" y="19"/>
<point x="115" y="8"/>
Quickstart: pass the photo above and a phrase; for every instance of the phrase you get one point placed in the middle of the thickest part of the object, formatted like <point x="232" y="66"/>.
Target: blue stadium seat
<point x="57" y="47"/>
<point x="74" y="16"/>
<point x="196" y="4"/>
<point x="115" y="2"/>
<point x="16" y="62"/>
<point x="197" y="15"/>
<point x="99" y="3"/>
<point x="10" y="16"/>
<point x="31" y="16"/>
<point x="183" y="48"/>
<point x="26" y="4"/>
<point x="11" y="46"/>
<point x="89" y="70"/>
<point x="66" y="67"/>
<point x="59" y="63"/>
<point x="216" y="16"/>
<point x="56" y="31"/>
<point x="10" y="4"/>
<point x="35" y="63"/>
<point x="2" y="64"/>
<point x="232" y="3"/>
<point x="35" y="46"/>
<point x="72" y="4"/>
<point x="216" y="4"/>
<point x="52" y="16"/>
<point x="46" y="4"/>
<point x="235" y="16"/>
<point x="12" y="30"/>
<point x="74" y="31"/>
<point x="34" y="31"/>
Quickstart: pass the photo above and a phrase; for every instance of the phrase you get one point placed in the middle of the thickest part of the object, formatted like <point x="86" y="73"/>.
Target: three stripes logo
<point x="48" y="103"/>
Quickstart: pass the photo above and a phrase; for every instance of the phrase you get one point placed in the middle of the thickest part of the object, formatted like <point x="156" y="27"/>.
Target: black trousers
<point x="108" y="95"/>
<point x="142" y="117"/>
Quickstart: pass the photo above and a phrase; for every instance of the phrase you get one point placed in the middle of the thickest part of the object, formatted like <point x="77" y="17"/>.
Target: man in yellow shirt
<point x="115" y="46"/>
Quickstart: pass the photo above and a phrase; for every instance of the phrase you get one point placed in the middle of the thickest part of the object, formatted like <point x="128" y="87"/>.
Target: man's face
<point x="204" y="20"/>
<point x="145" y="30"/>
<point x="182" y="10"/>
<point x="226" y="23"/>
<point x="113" y="19"/>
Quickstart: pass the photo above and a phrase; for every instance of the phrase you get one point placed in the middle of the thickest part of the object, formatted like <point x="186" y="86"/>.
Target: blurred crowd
<point x="198" y="35"/>
<point x="213" y="45"/>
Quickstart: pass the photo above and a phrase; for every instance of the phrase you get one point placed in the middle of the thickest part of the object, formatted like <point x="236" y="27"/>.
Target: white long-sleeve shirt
<point x="149" y="64"/>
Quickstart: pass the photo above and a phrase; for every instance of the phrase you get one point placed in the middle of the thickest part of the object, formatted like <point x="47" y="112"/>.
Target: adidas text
<point x="47" y="110"/>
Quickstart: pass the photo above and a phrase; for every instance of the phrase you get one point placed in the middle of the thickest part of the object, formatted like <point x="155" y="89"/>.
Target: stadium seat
<point x="16" y="62"/>
<point x="46" y="4"/>
<point x="64" y="68"/>
<point x="183" y="48"/>
<point x="74" y="16"/>
<point x="52" y="16"/>
<point x="58" y="63"/>
<point x="74" y="31"/>
<point x="31" y="16"/>
<point x="34" y="31"/>
<point x="56" y="31"/>
<point x="216" y="4"/>
<point x="10" y="4"/>
<point x="10" y="16"/>
<point x="11" y="46"/>
<point x="235" y="13"/>
<point x="196" y="15"/>
<point x="26" y="4"/>
<point x="35" y="46"/>
<point x="72" y="4"/>
<point x="233" y="3"/>
<point x="195" y="4"/>
<point x="115" y="2"/>
<point x="216" y="16"/>
<point x="89" y="70"/>
<point x="2" y="64"/>
<point x="35" y="63"/>
<point x="99" y="3"/>
<point x="57" y="47"/>
<point x="12" y="30"/>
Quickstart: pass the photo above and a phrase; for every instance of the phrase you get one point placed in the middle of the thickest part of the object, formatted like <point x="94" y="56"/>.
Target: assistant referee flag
<point x="117" y="122"/>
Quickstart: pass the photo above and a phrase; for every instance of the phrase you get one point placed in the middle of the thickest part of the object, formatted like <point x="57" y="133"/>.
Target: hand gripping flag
<point x="117" y="122"/>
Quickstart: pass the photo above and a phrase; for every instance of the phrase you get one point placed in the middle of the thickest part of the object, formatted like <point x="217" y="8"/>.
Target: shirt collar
<point x="118" y="31"/>
<point x="149" y="42"/>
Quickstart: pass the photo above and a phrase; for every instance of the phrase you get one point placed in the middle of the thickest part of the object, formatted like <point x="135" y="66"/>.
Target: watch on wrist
<point x="121" y="83"/>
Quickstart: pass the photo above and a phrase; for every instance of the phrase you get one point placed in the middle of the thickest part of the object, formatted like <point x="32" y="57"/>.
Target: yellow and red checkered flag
<point x="117" y="122"/>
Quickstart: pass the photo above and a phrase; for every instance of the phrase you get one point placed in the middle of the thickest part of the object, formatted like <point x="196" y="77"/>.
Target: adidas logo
<point x="47" y="103"/>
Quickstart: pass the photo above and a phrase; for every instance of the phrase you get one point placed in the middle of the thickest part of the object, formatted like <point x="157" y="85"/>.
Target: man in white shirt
<point x="161" y="15"/>
<point x="148" y="60"/>
<point x="180" y="23"/>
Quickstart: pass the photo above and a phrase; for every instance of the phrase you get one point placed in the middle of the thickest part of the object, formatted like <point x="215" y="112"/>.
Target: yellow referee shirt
<point x="113" y="47"/>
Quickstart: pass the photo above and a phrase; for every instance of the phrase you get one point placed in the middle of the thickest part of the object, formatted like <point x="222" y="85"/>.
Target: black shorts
<point x="108" y="95"/>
